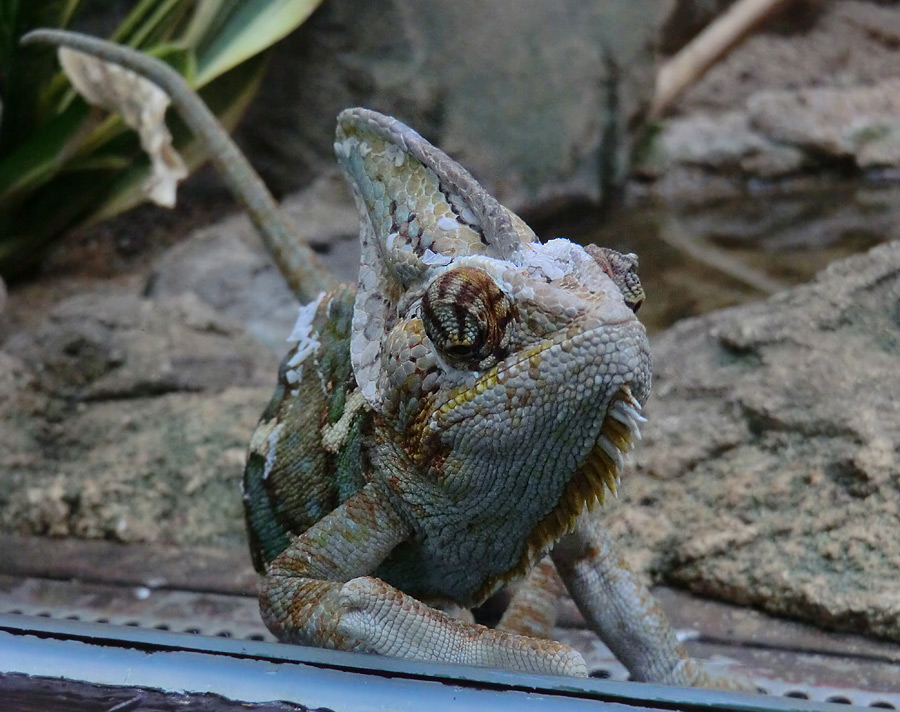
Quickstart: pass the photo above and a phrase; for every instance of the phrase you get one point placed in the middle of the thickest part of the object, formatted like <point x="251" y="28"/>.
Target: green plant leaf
<point x="158" y="22"/>
<point x="63" y="165"/>
<point x="39" y="158"/>
<point x="23" y="74"/>
<point x="227" y="32"/>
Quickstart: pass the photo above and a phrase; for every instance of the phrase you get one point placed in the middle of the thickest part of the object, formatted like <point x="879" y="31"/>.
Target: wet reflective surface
<point x="101" y="658"/>
<point x="25" y="693"/>
<point x="698" y="258"/>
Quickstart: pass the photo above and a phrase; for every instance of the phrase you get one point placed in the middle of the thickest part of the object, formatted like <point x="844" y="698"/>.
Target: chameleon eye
<point x="468" y="318"/>
<point x="622" y="268"/>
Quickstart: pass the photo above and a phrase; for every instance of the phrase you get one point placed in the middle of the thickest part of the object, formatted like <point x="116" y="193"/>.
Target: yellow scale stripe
<point x="465" y="394"/>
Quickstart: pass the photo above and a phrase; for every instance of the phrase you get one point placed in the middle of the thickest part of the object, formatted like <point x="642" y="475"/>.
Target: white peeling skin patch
<point x="555" y="258"/>
<point x="303" y="325"/>
<point x="395" y="154"/>
<point x="448" y="224"/>
<point x="343" y="148"/>
<point x="294" y="372"/>
<point x="435" y="258"/>
<point x="302" y="335"/>
<point x="262" y="443"/>
<point x="272" y="442"/>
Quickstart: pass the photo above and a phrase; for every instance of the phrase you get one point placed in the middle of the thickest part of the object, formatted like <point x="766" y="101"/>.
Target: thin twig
<point x="673" y="233"/>
<point x="720" y="36"/>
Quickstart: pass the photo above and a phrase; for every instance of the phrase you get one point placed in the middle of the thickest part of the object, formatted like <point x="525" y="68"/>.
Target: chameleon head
<point x="511" y="372"/>
<point x="534" y="369"/>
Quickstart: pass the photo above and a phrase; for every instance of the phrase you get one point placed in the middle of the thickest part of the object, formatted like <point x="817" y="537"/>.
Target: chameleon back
<point x="290" y="480"/>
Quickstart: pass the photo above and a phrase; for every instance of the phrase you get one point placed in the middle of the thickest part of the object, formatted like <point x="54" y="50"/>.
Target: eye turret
<point x="622" y="268"/>
<point x="468" y="318"/>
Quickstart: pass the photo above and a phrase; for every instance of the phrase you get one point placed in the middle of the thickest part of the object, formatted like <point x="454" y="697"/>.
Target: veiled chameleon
<point x="447" y="424"/>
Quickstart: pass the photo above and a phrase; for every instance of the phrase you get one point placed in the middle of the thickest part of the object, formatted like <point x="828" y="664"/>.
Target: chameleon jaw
<point x="599" y="472"/>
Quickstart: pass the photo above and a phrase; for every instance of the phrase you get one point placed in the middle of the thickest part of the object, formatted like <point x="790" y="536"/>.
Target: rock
<point x="815" y="91"/>
<point x="20" y="402"/>
<point x="226" y="266"/>
<point x="861" y="124"/>
<point x="829" y="43"/>
<point x="770" y="466"/>
<point x="777" y="135"/>
<point x="127" y="418"/>
<point x="725" y="143"/>
<point x="164" y="469"/>
<point x="102" y="346"/>
<point x="535" y="99"/>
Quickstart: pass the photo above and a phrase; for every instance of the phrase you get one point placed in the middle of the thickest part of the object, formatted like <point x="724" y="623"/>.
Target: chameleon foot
<point x="385" y="621"/>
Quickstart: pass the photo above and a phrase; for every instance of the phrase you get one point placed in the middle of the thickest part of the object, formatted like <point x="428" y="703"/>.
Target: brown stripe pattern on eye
<point x="468" y="318"/>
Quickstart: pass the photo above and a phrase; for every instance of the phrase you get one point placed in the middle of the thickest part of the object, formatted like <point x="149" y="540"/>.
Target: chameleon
<point x="445" y="426"/>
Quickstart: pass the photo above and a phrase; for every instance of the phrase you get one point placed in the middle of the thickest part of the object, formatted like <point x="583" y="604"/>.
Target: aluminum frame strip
<point x="259" y="671"/>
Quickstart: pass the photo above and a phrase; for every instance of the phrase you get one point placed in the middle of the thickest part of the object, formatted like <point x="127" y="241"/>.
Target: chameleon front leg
<point x="621" y="609"/>
<point x="317" y="592"/>
<point x="302" y="593"/>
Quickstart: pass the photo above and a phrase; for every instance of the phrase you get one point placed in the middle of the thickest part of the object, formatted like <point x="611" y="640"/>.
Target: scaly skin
<point x="445" y="426"/>
<point x="496" y="383"/>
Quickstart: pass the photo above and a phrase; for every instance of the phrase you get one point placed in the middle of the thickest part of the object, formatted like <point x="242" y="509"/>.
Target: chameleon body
<point x="444" y="427"/>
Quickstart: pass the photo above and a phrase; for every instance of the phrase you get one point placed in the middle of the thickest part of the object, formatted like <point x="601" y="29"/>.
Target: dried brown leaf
<point x="142" y="106"/>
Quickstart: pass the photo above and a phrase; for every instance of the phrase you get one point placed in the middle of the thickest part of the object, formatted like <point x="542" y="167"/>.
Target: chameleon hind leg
<point x="532" y="610"/>
<point x="317" y="592"/>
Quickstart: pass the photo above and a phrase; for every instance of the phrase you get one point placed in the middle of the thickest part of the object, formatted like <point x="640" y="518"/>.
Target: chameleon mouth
<point x="603" y="467"/>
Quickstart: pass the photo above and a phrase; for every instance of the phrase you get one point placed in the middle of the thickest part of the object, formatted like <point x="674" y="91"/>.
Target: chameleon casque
<point x="443" y="427"/>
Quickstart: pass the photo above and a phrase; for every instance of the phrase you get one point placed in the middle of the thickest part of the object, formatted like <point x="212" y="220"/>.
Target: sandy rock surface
<point x="770" y="469"/>
<point x="127" y="418"/>
<point x="814" y="91"/>
<point x="126" y="409"/>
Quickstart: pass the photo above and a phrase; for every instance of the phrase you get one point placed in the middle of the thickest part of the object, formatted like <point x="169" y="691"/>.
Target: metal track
<point x="43" y="650"/>
<point x="202" y="592"/>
